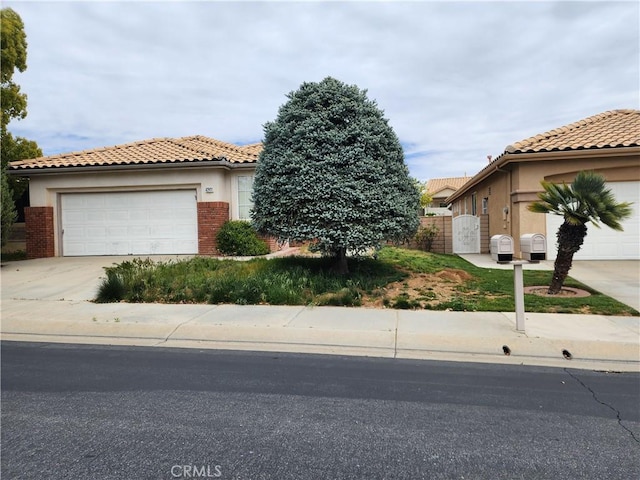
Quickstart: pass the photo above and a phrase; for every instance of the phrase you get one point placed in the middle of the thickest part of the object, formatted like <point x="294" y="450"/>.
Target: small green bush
<point x="426" y="235"/>
<point x="239" y="238"/>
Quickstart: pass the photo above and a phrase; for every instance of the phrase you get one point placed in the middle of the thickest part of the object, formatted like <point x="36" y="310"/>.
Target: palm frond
<point x="585" y="200"/>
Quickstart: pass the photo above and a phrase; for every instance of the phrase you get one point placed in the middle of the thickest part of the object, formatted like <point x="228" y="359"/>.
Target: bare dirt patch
<point x="426" y="288"/>
<point x="454" y="275"/>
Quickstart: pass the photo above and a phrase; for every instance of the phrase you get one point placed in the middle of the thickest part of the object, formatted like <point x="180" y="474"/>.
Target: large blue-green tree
<point x="332" y="172"/>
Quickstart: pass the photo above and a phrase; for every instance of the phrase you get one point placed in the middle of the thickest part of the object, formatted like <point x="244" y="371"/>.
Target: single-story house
<point x="607" y="143"/>
<point x="158" y="196"/>
<point x="441" y="189"/>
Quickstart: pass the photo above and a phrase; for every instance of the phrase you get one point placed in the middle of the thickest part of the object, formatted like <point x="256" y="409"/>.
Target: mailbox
<point x="533" y="246"/>
<point x="502" y="248"/>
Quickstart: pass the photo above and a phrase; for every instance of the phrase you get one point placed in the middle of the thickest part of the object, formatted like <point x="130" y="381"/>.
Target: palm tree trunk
<point x="570" y="239"/>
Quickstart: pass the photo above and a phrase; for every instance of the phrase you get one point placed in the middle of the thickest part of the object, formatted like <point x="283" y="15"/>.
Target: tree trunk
<point x="570" y="239"/>
<point x="341" y="266"/>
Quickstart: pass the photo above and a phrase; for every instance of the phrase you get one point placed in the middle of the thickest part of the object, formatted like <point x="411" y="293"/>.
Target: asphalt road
<point x="93" y="412"/>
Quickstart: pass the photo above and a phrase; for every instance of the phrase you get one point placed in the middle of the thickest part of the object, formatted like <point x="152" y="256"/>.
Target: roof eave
<point x="518" y="157"/>
<point x="53" y="170"/>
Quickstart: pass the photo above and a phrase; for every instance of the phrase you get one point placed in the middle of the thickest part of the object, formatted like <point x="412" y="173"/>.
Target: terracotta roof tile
<point x="436" y="185"/>
<point x="254" y="148"/>
<point x="611" y="129"/>
<point x="156" y="150"/>
<point x="615" y="128"/>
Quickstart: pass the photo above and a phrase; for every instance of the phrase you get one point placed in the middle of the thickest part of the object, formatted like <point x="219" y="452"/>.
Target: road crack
<point x="613" y="409"/>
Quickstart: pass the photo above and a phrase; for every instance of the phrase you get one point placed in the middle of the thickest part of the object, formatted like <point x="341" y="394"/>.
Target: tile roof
<point x="254" y="148"/>
<point x="436" y="185"/>
<point x="611" y="129"/>
<point x="157" y="150"/>
<point x="615" y="128"/>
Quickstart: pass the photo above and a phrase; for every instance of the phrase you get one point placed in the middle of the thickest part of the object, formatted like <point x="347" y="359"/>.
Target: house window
<point x="474" y="204"/>
<point x="485" y="205"/>
<point x="245" y="203"/>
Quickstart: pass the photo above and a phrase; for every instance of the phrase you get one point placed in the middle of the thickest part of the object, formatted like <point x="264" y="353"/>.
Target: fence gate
<point x="466" y="234"/>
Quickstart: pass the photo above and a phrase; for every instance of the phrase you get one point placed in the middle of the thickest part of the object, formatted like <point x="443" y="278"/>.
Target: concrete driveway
<point x="59" y="278"/>
<point x="78" y="278"/>
<point x="620" y="279"/>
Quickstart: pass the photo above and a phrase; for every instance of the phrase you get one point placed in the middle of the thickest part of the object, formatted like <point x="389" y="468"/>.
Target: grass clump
<point x="278" y="281"/>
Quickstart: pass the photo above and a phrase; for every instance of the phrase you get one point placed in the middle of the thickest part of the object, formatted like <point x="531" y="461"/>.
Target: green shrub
<point x="8" y="208"/>
<point x="426" y="235"/>
<point x="239" y="238"/>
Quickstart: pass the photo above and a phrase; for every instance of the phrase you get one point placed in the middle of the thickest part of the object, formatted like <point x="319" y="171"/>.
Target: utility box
<point x="533" y="246"/>
<point x="501" y="248"/>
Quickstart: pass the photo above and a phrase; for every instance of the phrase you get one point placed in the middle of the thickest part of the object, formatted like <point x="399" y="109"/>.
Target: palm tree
<point x="585" y="200"/>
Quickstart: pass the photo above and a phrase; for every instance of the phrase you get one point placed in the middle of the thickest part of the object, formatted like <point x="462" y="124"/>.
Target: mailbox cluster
<point x="533" y="247"/>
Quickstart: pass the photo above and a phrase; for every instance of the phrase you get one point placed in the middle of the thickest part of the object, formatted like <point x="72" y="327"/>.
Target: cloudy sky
<point x="457" y="80"/>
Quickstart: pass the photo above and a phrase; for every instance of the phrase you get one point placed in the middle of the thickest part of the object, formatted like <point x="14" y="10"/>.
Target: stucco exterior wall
<point x="516" y="185"/>
<point x="211" y="185"/>
<point x="496" y="189"/>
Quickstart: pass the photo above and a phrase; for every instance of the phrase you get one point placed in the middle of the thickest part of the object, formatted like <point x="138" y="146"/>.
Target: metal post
<point x="518" y="293"/>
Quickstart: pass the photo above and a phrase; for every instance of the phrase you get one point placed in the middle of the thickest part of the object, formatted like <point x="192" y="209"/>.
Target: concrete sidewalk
<point x="48" y="301"/>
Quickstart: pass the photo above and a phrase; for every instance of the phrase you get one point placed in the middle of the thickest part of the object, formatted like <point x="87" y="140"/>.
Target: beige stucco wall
<point x="515" y="185"/>
<point x="496" y="189"/>
<point x="45" y="190"/>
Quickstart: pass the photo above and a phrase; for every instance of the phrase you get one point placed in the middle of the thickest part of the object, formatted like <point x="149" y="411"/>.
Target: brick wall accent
<point x="211" y="216"/>
<point x="273" y="244"/>
<point x="39" y="233"/>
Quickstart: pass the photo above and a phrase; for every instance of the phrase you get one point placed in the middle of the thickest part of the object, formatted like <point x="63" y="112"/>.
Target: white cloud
<point x="457" y="80"/>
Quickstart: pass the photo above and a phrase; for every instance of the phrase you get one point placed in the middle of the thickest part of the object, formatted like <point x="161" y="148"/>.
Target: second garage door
<point x="129" y="223"/>
<point x="605" y="243"/>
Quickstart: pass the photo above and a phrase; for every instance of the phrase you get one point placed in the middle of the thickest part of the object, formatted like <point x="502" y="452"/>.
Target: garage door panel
<point x="76" y="216"/>
<point x="117" y="232"/>
<point x="97" y="202"/>
<point x="139" y="215"/>
<point x="129" y="223"/>
<point x="605" y="243"/>
<point x="90" y="231"/>
<point x="139" y="231"/>
<point x="117" y="216"/>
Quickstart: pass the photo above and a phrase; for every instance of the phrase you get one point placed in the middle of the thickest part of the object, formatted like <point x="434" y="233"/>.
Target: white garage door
<point x="129" y="223"/>
<point x="605" y="243"/>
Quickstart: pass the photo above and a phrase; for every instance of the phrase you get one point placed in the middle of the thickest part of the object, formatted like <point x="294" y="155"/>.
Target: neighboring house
<point x="158" y="196"/>
<point x="441" y="189"/>
<point x="607" y="143"/>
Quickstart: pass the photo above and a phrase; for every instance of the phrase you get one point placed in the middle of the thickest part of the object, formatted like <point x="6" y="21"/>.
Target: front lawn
<point x="398" y="278"/>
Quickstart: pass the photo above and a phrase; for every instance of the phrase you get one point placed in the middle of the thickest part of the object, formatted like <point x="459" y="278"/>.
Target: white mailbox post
<point x="518" y="293"/>
<point x="533" y="247"/>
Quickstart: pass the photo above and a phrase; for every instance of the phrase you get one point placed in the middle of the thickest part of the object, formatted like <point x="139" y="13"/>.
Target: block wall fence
<point x="443" y="243"/>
